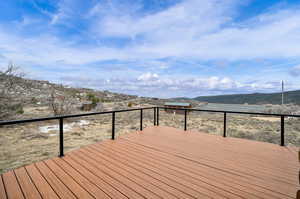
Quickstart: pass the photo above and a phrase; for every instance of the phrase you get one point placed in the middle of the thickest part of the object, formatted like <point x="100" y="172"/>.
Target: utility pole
<point x="282" y="92"/>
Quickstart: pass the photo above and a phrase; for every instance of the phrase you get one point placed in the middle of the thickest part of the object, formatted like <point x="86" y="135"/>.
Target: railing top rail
<point x="234" y="112"/>
<point x="2" y="123"/>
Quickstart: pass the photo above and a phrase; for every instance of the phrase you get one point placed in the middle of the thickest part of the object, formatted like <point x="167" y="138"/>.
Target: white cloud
<point x="193" y="30"/>
<point x="148" y="77"/>
<point x="151" y="84"/>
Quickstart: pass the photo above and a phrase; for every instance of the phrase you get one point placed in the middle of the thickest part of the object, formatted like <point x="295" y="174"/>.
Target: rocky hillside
<point x="28" y="93"/>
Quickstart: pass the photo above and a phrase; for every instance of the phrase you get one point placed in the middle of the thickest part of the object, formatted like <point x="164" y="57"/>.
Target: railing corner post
<point x="224" y="128"/>
<point x="154" y="116"/>
<point x="157" y="117"/>
<point x="141" y="120"/>
<point x="113" y="125"/>
<point x="61" y="137"/>
<point x="185" y="118"/>
<point x="282" y="131"/>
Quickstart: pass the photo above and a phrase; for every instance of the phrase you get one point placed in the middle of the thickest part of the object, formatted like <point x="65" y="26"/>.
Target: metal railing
<point x="155" y="120"/>
<point x="282" y="116"/>
<point x="62" y="117"/>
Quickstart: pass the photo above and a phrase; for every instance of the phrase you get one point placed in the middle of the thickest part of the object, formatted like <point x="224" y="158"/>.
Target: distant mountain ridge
<point x="290" y="97"/>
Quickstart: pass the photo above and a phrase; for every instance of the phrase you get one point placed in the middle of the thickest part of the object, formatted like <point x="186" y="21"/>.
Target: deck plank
<point x="2" y="189"/>
<point x="209" y="178"/>
<point x="126" y="181"/>
<point x="61" y="189"/>
<point x="12" y="186"/>
<point x="201" y="170"/>
<point x="100" y="182"/>
<point x="146" y="175"/>
<point x="116" y="183"/>
<point x="81" y="180"/>
<point x="27" y="186"/>
<point x="184" y="186"/>
<point x="205" y="187"/>
<point x="42" y="185"/>
<point x="68" y="181"/>
<point x="134" y="174"/>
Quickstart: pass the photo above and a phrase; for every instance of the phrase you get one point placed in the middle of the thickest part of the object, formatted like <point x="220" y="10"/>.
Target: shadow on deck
<point x="161" y="162"/>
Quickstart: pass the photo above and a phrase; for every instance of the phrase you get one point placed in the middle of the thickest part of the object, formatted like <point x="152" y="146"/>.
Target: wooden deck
<point x="161" y="162"/>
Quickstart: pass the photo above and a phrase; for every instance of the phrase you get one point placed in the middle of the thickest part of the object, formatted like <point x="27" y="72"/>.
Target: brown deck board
<point x="116" y="175"/>
<point x="81" y="180"/>
<point x="11" y="185"/>
<point x="26" y="184"/>
<point x="184" y="185"/>
<point x="112" y="181"/>
<point x="181" y="173"/>
<point x="41" y="184"/>
<point x="69" y="182"/>
<point x="61" y="189"/>
<point x="162" y="162"/>
<point x="201" y="170"/>
<point x="148" y="176"/>
<point x="98" y="181"/>
<point x="145" y="182"/>
<point x="2" y="189"/>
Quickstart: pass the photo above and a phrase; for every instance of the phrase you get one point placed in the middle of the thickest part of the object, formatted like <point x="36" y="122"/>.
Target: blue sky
<point x="161" y="48"/>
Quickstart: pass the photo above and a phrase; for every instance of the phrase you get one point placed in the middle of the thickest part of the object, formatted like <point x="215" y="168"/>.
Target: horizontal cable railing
<point x="62" y="117"/>
<point x="282" y="116"/>
<point x="155" y="119"/>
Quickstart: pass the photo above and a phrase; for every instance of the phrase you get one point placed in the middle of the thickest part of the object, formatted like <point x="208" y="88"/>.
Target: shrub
<point x="95" y="100"/>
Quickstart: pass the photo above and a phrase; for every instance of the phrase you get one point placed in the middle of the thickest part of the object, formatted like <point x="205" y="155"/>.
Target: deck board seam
<point x="4" y="186"/>
<point x="180" y="155"/>
<point x="33" y="182"/>
<point x="130" y="179"/>
<point x="18" y="183"/>
<point x="81" y="176"/>
<point x="190" y="182"/>
<point x="120" y="175"/>
<point x="206" y="177"/>
<point x="51" y="170"/>
<point x="47" y="182"/>
<point x="105" y="180"/>
<point x="90" y="180"/>
<point x="150" y="177"/>
<point x="201" y="164"/>
<point x="210" y="185"/>
<point x="167" y="162"/>
<point x="171" y="180"/>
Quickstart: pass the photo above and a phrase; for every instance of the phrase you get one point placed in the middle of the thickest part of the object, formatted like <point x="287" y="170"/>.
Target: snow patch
<point x="67" y="127"/>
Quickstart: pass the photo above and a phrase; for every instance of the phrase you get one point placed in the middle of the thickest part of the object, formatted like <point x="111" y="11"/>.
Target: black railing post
<point x="185" y="112"/>
<point x="157" y="117"/>
<point x="141" y="120"/>
<point x="61" y="137"/>
<point x="113" y="125"/>
<point x="224" y="128"/>
<point x="282" y="131"/>
<point x="154" y="116"/>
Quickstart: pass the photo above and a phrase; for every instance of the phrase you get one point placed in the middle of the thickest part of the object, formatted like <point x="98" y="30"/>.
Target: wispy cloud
<point x="178" y="45"/>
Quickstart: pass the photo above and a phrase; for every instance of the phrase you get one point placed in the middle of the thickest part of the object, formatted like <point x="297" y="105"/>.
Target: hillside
<point x="290" y="97"/>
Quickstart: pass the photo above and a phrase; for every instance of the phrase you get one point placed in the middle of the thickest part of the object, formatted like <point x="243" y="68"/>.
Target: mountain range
<point x="290" y="97"/>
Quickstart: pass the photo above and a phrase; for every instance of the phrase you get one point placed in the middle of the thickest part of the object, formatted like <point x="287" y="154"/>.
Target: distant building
<point x="176" y="105"/>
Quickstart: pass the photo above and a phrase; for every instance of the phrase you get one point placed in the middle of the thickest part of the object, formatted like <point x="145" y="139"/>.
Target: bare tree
<point x="9" y="79"/>
<point x="59" y="104"/>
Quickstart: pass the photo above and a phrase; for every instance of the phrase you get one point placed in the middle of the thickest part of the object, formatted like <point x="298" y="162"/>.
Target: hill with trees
<point x="290" y="97"/>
